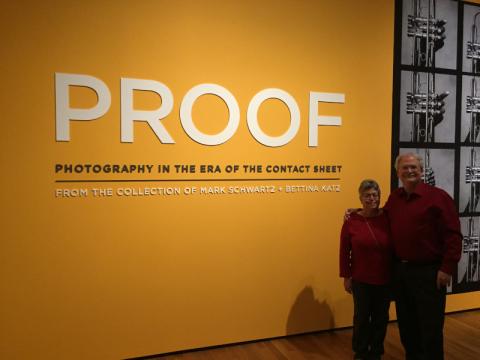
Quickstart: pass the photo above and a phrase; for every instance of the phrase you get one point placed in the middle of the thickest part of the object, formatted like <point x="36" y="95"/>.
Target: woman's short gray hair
<point x="368" y="184"/>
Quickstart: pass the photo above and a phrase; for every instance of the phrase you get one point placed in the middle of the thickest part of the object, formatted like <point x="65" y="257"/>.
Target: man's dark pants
<point x="420" y="310"/>
<point x="371" y="303"/>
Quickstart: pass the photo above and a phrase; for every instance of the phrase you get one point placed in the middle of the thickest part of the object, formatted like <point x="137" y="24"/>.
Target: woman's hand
<point x="347" y="284"/>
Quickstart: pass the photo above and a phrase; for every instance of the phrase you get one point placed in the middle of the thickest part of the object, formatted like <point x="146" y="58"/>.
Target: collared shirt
<point x="425" y="226"/>
<point x="366" y="250"/>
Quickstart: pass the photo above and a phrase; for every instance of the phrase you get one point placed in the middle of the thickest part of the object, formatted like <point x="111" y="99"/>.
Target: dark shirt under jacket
<point x="364" y="257"/>
<point x="425" y="226"/>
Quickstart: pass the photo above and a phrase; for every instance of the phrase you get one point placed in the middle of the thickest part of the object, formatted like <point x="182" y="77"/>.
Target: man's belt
<point x="418" y="263"/>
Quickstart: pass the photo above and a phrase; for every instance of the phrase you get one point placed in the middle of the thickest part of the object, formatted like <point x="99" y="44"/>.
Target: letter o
<point x="252" y="119"/>
<point x="186" y="114"/>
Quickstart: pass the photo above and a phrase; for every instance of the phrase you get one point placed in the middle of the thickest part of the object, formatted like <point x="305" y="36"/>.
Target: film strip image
<point x="471" y="40"/>
<point x="427" y="107"/>
<point x="437" y="110"/>
<point x="435" y="172"/>
<point x="429" y="36"/>
<point x="469" y="180"/>
<point x="467" y="277"/>
<point x="470" y="127"/>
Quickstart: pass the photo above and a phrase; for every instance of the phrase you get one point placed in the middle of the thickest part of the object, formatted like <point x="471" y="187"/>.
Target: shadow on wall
<point x="308" y="314"/>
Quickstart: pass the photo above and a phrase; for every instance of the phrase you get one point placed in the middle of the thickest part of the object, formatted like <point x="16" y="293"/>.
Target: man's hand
<point x="347" y="284"/>
<point x="348" y="212"/>
<point x="443" y="279"/>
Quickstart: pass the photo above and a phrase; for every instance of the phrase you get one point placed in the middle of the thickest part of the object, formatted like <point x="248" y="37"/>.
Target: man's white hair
<point x="409" y="154"/>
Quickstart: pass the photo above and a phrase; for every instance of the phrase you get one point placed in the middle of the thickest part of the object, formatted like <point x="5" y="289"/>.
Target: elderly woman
<point x="365" y="266"/>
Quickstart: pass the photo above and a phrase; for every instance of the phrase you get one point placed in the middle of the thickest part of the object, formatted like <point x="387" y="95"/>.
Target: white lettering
<point x="252" y="119"/>
<point x="129" y="115"/>
<point x="316" y="120"/>
<point x="186" y="114"/>
<point x="64" y="113"/>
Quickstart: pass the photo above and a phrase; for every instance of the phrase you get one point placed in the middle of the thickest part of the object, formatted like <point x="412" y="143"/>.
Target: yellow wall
<point x="116" y="277"/>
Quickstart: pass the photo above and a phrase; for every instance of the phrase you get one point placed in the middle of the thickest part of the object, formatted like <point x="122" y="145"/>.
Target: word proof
<point x="128" y="115"/>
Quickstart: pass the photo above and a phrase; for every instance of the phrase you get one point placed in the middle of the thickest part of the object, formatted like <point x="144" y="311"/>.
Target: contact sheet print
<point x="436" y="109"/>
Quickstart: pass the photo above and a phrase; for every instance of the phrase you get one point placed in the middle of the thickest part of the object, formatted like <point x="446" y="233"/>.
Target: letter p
<point x="64" y="113"/>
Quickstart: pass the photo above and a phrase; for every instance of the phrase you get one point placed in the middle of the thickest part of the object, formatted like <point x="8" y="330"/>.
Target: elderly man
<point x="427" y="242"/>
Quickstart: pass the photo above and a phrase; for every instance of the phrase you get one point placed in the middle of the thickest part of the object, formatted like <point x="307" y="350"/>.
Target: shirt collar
<point x="419" y="191"/>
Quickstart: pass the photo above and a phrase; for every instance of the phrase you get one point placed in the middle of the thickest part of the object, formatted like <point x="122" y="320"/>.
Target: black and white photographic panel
<point x="471" y="43"/>
<point x="469" y="180"/>
<point x="470" y="127"/>
<point x="427" y="107"/>
<point x="437" y="110"/>
<point x="467" y="278"/>
<point x="438" y="167"/>
<point x="434" y="45"/>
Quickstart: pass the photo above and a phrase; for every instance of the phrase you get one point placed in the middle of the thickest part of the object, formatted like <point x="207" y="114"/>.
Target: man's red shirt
<point x="425" y="227"/>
